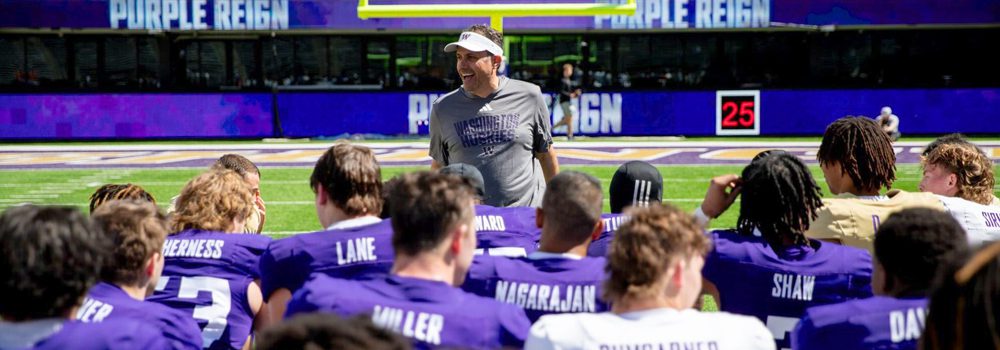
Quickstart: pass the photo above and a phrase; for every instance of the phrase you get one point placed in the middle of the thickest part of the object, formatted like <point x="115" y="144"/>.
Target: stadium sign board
<point x="275" y="15"/>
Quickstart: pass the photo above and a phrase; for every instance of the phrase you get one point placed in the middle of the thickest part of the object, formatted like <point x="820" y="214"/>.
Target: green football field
<point x="290" y="201"/>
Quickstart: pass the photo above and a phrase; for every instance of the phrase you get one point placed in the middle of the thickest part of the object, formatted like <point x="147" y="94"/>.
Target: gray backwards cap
<point x="469" y="173"/>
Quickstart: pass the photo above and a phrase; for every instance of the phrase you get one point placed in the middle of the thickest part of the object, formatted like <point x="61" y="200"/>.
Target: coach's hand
<point x="722" y="192"/>
<point x="262" y="209"/>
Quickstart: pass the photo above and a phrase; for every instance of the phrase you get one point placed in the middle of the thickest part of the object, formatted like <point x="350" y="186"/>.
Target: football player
<point x="858" y="161"/>
<point x="909" y="247"/>
<point x="49" y="258"/>
<point x="635" y="183"/>
<point x="500" y="231"/>
<point x="211" y="267"/>
<point x="137" y="230"/>
<point x="653" y="281"/>
<point x="766" y="267"/>
<point x="111" y="192"/>
<point x="434" y="239"/>
<point x="558" y="277"/>
<point x="355" y="241"/>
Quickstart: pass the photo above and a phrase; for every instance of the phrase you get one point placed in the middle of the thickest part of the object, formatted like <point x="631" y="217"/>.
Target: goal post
<point x="496" y="12"/>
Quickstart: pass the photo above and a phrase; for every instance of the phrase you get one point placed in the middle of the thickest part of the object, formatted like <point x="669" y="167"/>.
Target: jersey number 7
<point x="779" y="326"/>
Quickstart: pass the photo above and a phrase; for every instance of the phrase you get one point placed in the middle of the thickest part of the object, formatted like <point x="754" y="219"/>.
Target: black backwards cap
<point x="635" y="183"/>
<point x="469" y="173"/>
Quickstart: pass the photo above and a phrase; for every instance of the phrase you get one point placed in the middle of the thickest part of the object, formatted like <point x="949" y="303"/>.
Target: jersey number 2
<point x="215" y="314"/>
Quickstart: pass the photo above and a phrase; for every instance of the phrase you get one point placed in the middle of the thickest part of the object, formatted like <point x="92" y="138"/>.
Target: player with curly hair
<point x="211" y="268"/>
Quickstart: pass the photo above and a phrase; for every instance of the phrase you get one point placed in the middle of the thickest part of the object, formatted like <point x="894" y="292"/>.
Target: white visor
<point x="475" y="43"/>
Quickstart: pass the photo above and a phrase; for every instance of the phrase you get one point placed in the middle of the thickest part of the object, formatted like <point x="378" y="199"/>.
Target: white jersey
<point x="981" y="222"/>
<point x="650" y="329"/>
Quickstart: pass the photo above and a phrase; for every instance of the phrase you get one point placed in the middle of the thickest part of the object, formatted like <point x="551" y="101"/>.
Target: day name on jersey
<point x="906" y="325"/>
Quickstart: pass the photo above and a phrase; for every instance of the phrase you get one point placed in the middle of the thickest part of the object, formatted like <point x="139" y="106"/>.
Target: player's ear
<point x="952" y="180"/>
<point x="539" y="217"/>
<point x="457" y="236"/>
<point x="321" y="196"/>
<point x="151" y="263"/>
<point x="598" y="229"/>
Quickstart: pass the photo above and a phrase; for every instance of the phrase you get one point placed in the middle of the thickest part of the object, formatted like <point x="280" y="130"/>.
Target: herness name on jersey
<point x="193" y="248"/>
<point x="992" y="219"/>
<point x="612" y="224"/>
<point x="796" y="287"/>
<point x="422" y="326"/>
<point x="358" y="249"/>
<point x="578" y="298"/>
<point x="674" y="345"/>
<point x="906" y="325"/>
<point x="94" y="310"/>
<point x="490" y="223"/>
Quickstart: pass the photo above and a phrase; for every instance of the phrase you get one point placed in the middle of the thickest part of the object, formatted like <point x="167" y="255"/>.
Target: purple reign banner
<point x="652" y="113"/>
<point x="87" y="116"/>
<point x="342" y="14"/>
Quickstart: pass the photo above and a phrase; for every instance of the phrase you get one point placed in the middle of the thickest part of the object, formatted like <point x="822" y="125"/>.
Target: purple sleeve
<point x="181" y="330"/>
<point x="255" y="246"/>
<point x="514" y="326"/>
<point x="806" y="335"/>
<point x="479" y="276"/>
<point x="279" y="269"/>
<point x="861" y="279"/>
<point x="301" y="303"/>
<point x="145" y="338"/>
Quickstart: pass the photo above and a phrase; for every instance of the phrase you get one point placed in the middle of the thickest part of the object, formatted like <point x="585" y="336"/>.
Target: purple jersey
<point x="206" y="275"/>
<point x="510" y="231"/>
<point x="754" y="280"/>
<point x="433" y="314"/>
<point x="874" y="323"/>
<point x="346" y="253"/>
<point x="109" y="335"/>
<point x="541" y="286"/>
<point x="109" y="302"/>
<point x="600" y="246"/>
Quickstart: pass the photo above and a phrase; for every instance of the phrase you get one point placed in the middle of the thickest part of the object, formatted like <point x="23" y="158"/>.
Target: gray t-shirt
<point x="499" y="135"/>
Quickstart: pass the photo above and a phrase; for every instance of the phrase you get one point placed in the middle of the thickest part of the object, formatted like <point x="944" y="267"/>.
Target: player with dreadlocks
<point x="857" y="160"/>
<point x="766" y="267"/>
<point x="112" y="192"/>
<point x="857" y="157"/>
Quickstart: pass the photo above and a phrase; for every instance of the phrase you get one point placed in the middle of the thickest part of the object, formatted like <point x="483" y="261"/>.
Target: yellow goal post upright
<point x="496" y="12"/>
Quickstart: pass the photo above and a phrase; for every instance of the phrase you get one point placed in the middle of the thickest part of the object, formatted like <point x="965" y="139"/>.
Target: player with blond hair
<point x="211" y="268"/>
